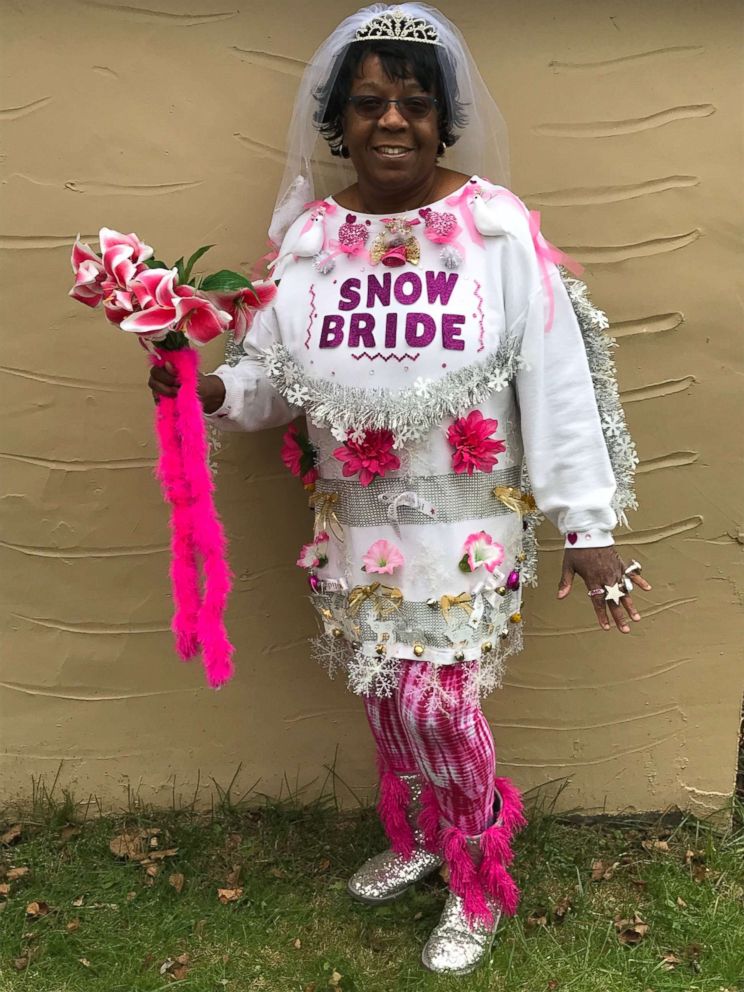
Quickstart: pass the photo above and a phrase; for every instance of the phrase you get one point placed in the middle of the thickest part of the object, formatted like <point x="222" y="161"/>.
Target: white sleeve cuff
<point x="594" y="538"/>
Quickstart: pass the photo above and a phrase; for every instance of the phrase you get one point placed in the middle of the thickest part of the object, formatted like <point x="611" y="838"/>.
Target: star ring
<point x="614" y="593"/>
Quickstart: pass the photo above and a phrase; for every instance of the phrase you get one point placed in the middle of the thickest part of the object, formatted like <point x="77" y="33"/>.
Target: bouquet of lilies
<point x="168" y="310"/>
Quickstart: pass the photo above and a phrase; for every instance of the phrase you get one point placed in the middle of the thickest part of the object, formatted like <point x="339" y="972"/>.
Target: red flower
<point x="471" y="438"/>
<point x="371" y="457"/>
<point x="299" y="455"/>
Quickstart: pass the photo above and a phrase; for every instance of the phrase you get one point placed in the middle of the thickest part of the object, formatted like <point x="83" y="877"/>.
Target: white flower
<point x="422" y="387"/>
<point x="498" y="381"/>
<point x="297" y="395"/>
<point x="613" y="424"/>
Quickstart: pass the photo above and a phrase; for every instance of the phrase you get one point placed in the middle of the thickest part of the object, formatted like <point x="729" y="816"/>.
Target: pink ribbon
<point x="461" y="200"/>
<point x="260" y="266"/>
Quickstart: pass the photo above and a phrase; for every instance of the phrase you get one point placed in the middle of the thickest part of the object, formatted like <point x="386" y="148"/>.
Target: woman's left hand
<point x="600" y="567"/>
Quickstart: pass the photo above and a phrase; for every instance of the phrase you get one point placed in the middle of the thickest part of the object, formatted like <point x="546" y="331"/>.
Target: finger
<point x="640" y="581"/>
<point x="161" y="374"/>
<point x="629" y="605"/>
<point x="566" y="583"/>
<point x="599" y="609"/>
<point x="619" y="617"/>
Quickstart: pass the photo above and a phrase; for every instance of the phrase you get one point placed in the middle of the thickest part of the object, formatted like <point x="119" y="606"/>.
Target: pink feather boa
<point x="486" y="878"/>
<point x="197" y="534"/>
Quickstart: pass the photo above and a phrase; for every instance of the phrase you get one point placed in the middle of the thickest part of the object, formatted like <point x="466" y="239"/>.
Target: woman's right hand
<point x="164" y="382"/>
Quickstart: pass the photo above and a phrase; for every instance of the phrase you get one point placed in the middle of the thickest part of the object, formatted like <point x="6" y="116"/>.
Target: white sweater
<point x="413" y="349"/>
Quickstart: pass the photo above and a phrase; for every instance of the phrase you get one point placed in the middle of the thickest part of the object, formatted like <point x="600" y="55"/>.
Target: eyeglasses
<point x="413" y="108"/>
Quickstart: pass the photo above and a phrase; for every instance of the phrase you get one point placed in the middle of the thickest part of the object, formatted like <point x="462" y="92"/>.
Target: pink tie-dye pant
<point x="450" y="746"/>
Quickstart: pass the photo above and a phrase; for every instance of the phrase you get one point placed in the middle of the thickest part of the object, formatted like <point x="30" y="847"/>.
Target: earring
<point x="441" y="149"/>
<point x="344" y="152"/>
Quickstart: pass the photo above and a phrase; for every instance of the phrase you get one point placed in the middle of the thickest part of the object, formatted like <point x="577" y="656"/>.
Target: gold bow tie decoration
<point x="447" y="602"/>
<point x="326" y="518"/>
<point x="386" y="600"/>
<point x="514" y="499"/>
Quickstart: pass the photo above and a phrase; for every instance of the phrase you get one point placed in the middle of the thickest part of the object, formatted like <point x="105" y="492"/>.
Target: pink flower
<point x="481" y="549"/>
<point x="371" y="457"/>
<point x="165" y="306"/>
<point x="108" y="277"/>
<point x="315" y="554"/>
<point x="383" y="557"/>
<point x="243" y="304"/>
<point x="471" y="438"/>
<point x="299" y="455"/>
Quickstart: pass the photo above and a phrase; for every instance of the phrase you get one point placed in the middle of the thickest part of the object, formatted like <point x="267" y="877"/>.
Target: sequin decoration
<point x="396" y="244"/>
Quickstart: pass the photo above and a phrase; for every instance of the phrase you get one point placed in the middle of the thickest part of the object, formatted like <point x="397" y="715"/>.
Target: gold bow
<point x="515" y="499"/>
<point x="463" y="601"/>
<point x="325" y="515"/>
<point x="385" y="599"/>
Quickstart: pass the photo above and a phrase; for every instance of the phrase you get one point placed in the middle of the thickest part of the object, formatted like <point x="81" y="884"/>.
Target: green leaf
<point x="195" y="258"/>
<point x="179" y="267"/>
<point x="156" y="263"/>
<point x="226" y="281"/>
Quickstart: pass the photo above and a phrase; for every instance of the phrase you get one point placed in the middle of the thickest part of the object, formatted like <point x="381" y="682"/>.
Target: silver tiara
<point x="396" y="25"/>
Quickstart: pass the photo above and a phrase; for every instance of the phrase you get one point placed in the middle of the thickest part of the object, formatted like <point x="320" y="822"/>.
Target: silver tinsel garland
<point x="409" y="413"/>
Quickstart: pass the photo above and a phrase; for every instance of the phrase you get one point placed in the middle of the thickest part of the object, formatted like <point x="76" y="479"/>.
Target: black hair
<point x="400" y="60"/>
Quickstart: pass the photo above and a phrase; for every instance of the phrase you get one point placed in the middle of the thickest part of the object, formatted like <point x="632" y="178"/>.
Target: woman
<point x="423" y="327"/>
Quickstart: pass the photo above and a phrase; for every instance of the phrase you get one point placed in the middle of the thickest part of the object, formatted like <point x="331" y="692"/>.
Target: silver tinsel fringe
<point x="370" y="675"/>
<point x="409" y="413"/>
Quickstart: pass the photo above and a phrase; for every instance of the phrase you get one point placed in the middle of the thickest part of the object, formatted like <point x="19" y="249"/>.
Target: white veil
<point x="312" y="173"/>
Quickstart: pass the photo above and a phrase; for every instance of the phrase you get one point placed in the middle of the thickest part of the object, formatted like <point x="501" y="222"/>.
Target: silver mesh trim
<point x="456" y="497"/>
<point x="417" y="622"/>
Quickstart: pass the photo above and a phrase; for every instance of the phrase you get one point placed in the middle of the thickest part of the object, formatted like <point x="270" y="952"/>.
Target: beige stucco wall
<point x="168" y="120"/>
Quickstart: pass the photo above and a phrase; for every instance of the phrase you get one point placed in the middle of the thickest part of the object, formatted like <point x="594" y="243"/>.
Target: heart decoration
<point x="572" y="537"/>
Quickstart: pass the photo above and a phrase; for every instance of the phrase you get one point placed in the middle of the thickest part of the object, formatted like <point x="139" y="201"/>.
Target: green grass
<point x="294" y="926"/>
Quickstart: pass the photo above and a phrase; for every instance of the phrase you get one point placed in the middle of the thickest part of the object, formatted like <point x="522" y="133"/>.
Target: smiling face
<point x="390" y="154"/>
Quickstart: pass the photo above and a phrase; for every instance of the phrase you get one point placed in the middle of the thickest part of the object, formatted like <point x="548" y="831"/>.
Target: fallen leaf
<point x="335" y="979"/>
<point x="14" y="873"/>
<point x="669" y="962"/>
<point x="694" y="857"/>
<point x="655" y="845"/>
<point x="538" y="917"/>
<point x="324" y="865"/>
<point x="178" y="971"/>
<point x="4" y="890"/>
<point x="229" y="895"/>
<point x="84" y="962"/>
<point x="681" y="903"/>
<point x="12" y="835"/>
<point x="170" y="852"/>
<point x="602" y="872"/>
<point x="297" y="943"/>
<point x="418" y="916"/>
<point x="561" y="910"/>
<point x="176" y="880"/>
<point x="166" y="966"/>
<point x="233" y="876"/>
<point x="310" y="988"/>
<point x="631" y="932"/>
<point x="640" y="883"/>
<point x="552" y="985"/>
<point x="277" y="872"/>
<point x="68" y="832"/>
<point x="700" y="873"/>
<point x="73" y="925"/>
<point x="79" y="901"/>
<point x="34" y="910"/>
<point x="20" y="964"/>
<point x="131" y="896"/>
<point x="152" y="870"/>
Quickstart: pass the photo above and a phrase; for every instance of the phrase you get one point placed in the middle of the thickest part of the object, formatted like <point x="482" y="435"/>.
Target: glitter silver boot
<point x="453" y="948"/>
<point x="387" y="875"/>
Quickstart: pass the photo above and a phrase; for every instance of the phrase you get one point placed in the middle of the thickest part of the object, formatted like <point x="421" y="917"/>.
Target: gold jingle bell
<point x="501" y="590"/>
<point x="418" y="650"/>
<point x="379" y="649"/>
<point x="337" y="632"/>
<point x="516" y="617"/>
<point x="486" y="647"/>
<point x="459" y="656"/>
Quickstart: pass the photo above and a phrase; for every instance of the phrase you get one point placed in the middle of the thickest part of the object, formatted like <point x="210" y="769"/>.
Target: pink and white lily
<point x="243" y="304"/>
<point x="383" y="558"/>
<point x="481" y="550"/>
<point x="315" y="554"/>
